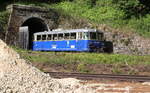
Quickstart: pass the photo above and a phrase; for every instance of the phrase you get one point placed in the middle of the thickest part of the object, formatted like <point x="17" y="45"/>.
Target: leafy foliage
<point x="131" y="14"/>
<point x="4" y="19"/>
<point x="116" y="13"/>
<point x="142" y="25"/>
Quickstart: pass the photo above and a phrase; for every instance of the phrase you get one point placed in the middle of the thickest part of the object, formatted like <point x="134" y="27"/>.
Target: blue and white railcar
<point x="69" y="40"/>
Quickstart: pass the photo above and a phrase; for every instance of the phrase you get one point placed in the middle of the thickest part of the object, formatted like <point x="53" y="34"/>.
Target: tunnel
<point x="34" y="25"/>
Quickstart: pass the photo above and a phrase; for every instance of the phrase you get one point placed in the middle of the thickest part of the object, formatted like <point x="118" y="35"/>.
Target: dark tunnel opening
<point x="34" y="25"/>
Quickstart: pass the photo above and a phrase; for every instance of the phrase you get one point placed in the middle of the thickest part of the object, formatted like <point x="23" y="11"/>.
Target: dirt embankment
<point x="94" y="68"/>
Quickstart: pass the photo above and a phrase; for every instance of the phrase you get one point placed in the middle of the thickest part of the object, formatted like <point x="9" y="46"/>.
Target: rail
<point x="100" y="76"/>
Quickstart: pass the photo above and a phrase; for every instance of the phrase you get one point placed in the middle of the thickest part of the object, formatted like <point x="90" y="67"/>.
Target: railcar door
<point x="23" y="37"/>
<point x="79" y="41"/>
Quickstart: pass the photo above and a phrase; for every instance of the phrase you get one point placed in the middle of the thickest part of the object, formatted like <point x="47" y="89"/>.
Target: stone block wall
<point x="126" y="42"/>
<point x="21" y="13"/>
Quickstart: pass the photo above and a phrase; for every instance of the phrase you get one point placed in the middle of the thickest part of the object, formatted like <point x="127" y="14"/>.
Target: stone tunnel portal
<point x="34" y="25"/>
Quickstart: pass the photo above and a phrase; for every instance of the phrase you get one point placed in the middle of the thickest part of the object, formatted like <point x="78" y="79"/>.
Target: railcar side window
<point x="43" y="37"/>
<point x="55" y="37"/>
<point x="80" y="35"/>
<point x="85" y="35"/>
<point x="93" y="35"/>
<point x="66" y="36"/>
<point x="38" y="37"/>
<point x="73" y="36"/>
<point x="60" y="36"/>
<point x="49" y="37"/>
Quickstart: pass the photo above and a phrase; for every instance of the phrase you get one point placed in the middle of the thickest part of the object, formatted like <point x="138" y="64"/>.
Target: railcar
<point x="86" y="40"/>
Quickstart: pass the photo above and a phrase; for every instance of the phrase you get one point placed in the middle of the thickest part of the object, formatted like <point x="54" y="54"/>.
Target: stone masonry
<point x="21" y="13"/>
<point x="126" y="42"/>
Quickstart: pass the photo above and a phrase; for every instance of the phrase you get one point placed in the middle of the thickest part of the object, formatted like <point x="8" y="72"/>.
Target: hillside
<point x="128" y="30"/>
<point x="128" y="16"/>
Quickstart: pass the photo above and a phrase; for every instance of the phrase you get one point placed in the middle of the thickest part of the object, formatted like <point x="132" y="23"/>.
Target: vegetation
<point x="84" y="58"/>
<point x="118" y="14"/>
<point x="81" y="62"/>
<point x="130" y="14"/>
<point x="4" y="19"/>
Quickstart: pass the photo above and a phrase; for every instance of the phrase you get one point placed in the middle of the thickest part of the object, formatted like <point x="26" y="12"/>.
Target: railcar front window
<point x="93" y="35"/>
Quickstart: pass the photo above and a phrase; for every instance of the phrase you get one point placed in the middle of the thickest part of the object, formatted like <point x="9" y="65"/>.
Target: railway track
<point x="85" y="76"/>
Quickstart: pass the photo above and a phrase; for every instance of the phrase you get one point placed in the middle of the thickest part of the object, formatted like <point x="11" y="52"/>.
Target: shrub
<point x="141" y="25"/>
<point x="4" y="19"/>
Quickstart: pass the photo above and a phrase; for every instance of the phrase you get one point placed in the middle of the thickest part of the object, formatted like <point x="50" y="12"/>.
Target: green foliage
<point x="103" y="3"/>
<point x="89" y="3"/>
<point x="103" y="14"/>
<point x="142" y="25"/>
<point x="4" y="19"/>
<point x="130" y="14"/>
<point x="116" y="71"/>
<point x="131" y="7"/>
<point x="82" y="67"/>
<point x="82" y="58"/>
<point x="115" y="13"/>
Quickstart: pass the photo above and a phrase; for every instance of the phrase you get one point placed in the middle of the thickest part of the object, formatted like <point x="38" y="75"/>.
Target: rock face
<point x="126" y="42"/>
<point x="18" y="76"/>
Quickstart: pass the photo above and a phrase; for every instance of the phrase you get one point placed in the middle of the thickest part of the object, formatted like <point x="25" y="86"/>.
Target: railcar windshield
<point x="100" y="36"/>
<point x="93" y="36"/>
<point x="96" y="36"/>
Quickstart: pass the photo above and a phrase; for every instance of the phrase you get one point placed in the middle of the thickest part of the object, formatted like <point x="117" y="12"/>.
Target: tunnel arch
<point x="34" y="25"/>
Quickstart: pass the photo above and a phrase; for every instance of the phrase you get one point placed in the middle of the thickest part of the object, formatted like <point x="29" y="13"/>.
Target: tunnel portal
<point x="35" y="19"/>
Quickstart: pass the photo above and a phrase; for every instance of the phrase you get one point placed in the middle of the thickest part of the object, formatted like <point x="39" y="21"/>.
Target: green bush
<point x="118" y="14"/>
<point x="4" y="19"/>
<point x="102" y="14"/>
<point x="141" y="25"/>
<point x="130" y="14"/>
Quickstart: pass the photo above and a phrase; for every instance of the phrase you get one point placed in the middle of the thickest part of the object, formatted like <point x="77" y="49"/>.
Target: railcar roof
<point x="65" y="31"/>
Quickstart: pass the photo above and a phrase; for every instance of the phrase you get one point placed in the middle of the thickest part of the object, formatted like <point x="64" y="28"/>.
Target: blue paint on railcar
<point x="67" y="45"/>
<point x="64" y="45"/>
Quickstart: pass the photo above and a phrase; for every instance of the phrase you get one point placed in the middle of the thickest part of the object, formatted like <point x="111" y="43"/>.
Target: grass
<point x="81" y="62"/>
<point x="84" y="58"/>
